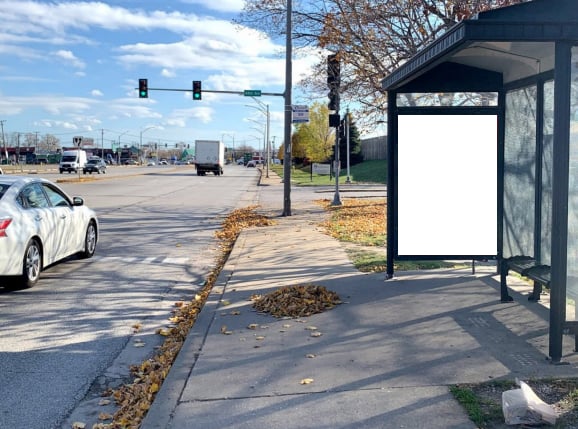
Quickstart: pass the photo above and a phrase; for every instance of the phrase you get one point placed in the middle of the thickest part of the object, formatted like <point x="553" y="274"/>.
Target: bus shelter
<point x="483" y="151"/>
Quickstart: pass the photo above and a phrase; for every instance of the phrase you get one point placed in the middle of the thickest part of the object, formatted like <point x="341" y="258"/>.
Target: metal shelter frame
<point x="505" y="57"/>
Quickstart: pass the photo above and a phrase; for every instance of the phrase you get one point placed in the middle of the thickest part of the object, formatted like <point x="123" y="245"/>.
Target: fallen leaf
<point x="310" y="355"/>
<point x="306" y="381"/>
<point x="78" y="425"/>
<point x="316" y="334"/>
<point x="104" y="416"/>
<point x="259" y="337"/>
<point x="104" y="402"/>
<point x="311" y="328"/>
<point x="252" y="326"/>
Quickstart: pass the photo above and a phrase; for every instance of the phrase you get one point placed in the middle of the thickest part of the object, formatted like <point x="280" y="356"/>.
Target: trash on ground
<point x="523" y="407"/>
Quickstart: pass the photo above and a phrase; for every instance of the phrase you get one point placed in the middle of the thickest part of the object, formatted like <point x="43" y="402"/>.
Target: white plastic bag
<point x="523" y="406"/>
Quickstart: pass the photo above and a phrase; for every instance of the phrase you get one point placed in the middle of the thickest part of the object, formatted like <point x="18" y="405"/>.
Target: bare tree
<point x="371" y="38"/>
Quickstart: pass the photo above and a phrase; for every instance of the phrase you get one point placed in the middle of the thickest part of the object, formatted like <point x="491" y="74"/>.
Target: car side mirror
<point x="77" y="201"/>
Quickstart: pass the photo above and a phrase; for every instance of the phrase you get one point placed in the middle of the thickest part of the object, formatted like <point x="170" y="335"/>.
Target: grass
<point x="365" y="172"/>
<point x="480" y="410"/>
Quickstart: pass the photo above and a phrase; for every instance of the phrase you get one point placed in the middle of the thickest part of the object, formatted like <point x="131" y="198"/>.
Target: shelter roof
<point x="516" y="42"/>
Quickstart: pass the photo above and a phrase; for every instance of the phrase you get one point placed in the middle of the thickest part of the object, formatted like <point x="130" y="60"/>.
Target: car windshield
<point x="93" y="161"/>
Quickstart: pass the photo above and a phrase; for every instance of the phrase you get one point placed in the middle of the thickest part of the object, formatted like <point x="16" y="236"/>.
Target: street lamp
<point x="117" y="150"/>
<point x="264" y="108"/>
<point x="233" y="137"/>
<point x="263" y="155"/>
<point x="141" y="133"/>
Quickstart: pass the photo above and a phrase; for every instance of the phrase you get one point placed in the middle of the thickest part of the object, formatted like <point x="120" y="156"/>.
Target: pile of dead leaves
<point x="357" y="220"/>
<point x="135" y="399"/>
<point x="296" y="301"/>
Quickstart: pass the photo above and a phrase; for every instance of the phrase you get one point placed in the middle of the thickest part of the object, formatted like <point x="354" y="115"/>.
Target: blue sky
<point x="70" y="68"/>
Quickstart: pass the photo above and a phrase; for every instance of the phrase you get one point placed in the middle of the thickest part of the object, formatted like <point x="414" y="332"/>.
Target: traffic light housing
<point x="197" y="91"/>
<point x="333" y="99"/>
<point x="333" y="71"/>
<point x="333" y="81"/>
<point x="143" y="88"/>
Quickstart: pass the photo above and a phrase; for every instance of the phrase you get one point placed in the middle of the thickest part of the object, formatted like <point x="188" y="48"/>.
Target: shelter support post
<point x="561" y="153"/>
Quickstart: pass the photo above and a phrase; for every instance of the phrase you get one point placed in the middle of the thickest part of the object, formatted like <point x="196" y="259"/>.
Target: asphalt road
<point x="73" y="335"/>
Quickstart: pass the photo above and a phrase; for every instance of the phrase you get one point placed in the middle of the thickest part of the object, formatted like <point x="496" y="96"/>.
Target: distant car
<point x="251" y="163"/>
<point x="163" y="162"/>
<point x="240" y="162"/>
<point x="94" y="166"/>
<point x="130" y="162"/>
<point x="40" y="225"/>
<point x="1" y="172"/>
<point x="151" y="164"/>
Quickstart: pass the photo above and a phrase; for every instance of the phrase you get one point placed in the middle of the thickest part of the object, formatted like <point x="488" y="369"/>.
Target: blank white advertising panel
<point x="447" y="185"/>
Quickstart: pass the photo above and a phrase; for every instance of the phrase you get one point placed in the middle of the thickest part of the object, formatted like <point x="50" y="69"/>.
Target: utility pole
<point x="288" y="113"/>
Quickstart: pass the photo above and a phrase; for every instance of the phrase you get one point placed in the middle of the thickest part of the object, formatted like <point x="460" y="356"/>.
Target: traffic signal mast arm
<point x="278" y="94"/>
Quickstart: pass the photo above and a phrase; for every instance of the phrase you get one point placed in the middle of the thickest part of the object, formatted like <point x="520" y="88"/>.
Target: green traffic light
<point x="143" y="94"/>
<point x="197" y="90"/>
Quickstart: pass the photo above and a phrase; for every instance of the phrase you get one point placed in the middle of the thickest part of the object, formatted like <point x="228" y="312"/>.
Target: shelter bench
<point x="528" y="267"/>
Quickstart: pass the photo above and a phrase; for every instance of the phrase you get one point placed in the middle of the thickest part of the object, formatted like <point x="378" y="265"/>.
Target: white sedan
<point x="40" y="225"/>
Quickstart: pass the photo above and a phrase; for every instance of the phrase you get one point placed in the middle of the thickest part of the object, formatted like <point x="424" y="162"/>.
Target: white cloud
<point x="168" y="73"/>
<point x="220" y="6"/>
<point x="96" y="93"/>
<point x="180" y="117"/>
<point x="70" y="58"/>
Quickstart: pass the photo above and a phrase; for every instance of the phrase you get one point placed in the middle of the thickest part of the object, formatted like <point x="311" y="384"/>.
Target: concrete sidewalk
<point x="385" y="358"/>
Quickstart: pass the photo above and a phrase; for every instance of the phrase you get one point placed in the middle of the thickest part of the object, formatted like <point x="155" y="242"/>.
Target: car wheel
<point x="90" y="241"/>
<point x="31" y="265"/>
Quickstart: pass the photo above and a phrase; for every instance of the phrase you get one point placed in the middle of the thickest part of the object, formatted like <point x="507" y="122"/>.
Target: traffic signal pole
<point x="333" y="82"/>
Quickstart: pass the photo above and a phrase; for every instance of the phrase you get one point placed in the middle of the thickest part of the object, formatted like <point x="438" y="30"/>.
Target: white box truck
<point x="72" y="160"/>
<point x="209" y="157"/>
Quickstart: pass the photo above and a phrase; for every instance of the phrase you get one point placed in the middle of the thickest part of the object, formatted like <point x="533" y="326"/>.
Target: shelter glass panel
<point x="447" y="99"/>
<point x="547" y="174"/>
<point x="447" y="185"/>
<point x="520" y="172"/>
<point x="572" y="261"/>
